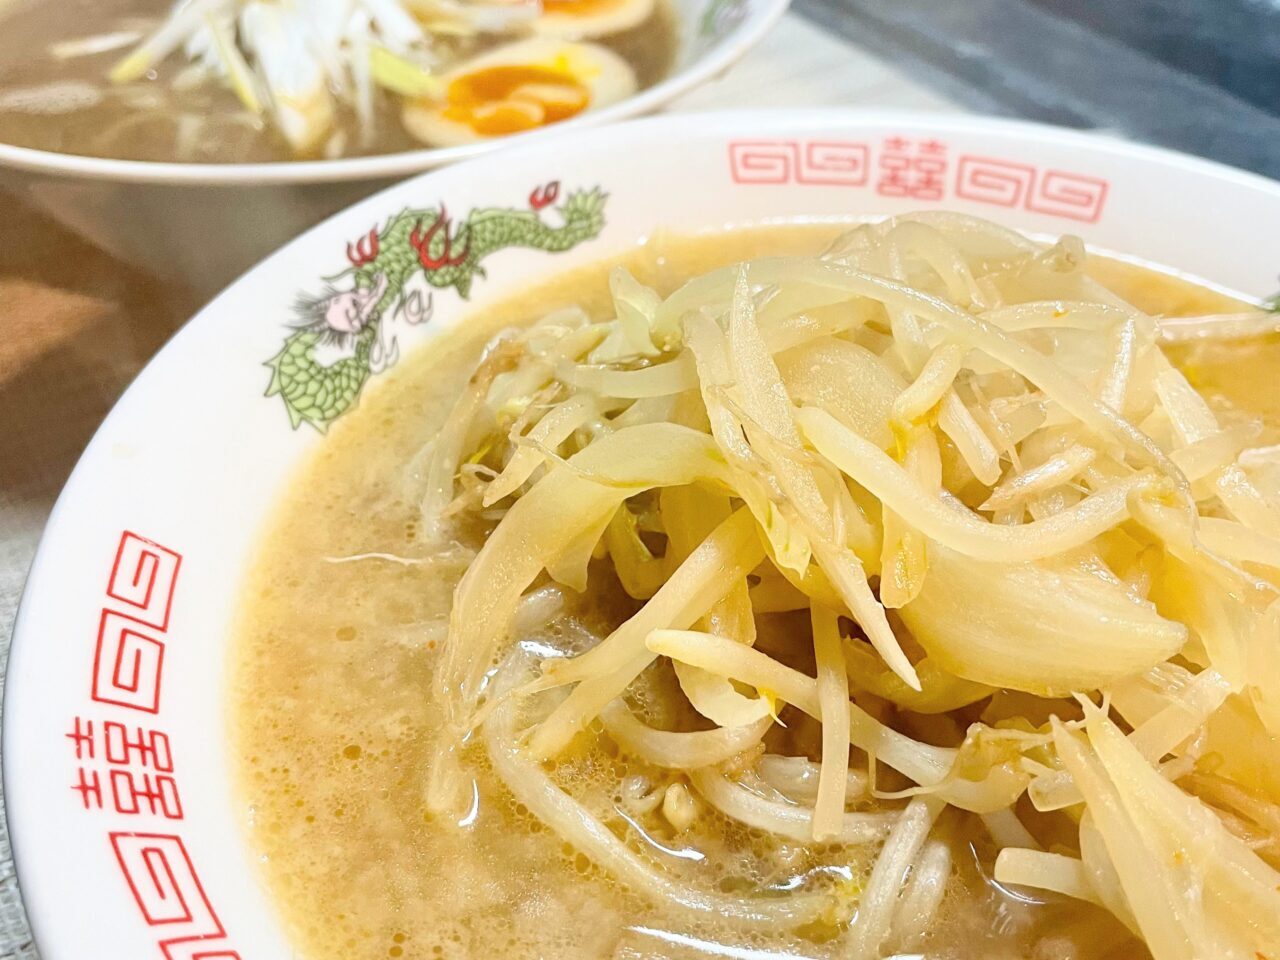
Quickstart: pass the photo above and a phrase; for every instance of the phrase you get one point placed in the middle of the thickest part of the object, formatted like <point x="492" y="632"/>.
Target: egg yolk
<point x="509" y="99"/>
<point x="581" y="8"/>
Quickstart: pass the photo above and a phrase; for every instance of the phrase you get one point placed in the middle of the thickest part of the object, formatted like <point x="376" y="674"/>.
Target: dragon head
<point x="341" y="314"/>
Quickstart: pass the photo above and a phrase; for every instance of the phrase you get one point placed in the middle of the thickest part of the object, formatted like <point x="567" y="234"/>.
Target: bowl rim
<point x="722" y="55"/>
<point x="767" y="125"/>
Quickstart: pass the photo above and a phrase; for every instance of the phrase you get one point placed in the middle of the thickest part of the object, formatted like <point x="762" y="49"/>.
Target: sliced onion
<point x="1049" y="628"/>
<point x="962" y="532"/>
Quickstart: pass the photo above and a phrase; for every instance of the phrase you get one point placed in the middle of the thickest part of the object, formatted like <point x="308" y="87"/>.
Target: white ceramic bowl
<point x="122" y="633"/>
<point x="203" y="224"/>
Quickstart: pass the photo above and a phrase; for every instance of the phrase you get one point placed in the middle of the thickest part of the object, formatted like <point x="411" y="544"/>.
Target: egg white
<point x="606" y="77"/>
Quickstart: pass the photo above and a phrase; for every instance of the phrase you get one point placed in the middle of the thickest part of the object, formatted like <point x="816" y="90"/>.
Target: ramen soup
<point x="246" y="81"/>
<point x="765" y="595"/>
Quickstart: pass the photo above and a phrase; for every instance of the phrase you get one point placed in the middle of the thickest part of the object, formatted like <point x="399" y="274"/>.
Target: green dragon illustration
<point x="383" y="286"/>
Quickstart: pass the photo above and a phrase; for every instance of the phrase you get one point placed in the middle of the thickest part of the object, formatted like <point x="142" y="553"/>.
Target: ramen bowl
<point x="129" y="834"/>
<point x="202" y="224"/>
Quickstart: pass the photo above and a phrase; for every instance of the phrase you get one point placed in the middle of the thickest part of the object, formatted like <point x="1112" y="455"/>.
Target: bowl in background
<point x="203" y="224"/>
<point x="121" y="637"/>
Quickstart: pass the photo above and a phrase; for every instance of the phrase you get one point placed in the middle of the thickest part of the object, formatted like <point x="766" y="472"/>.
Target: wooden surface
<point x="75" y="327"/>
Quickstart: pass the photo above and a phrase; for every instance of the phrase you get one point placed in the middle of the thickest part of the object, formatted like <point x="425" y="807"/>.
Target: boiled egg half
<point x="579" y="19"/>
<point x="519" y="87"/>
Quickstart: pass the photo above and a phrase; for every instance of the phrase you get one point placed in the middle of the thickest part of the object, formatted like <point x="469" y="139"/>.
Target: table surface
<point x="1199" y="75"/>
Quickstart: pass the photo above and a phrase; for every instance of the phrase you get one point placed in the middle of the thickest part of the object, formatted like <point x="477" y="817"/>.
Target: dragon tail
<point x="583" y="212"/>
